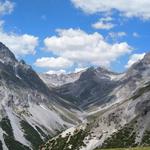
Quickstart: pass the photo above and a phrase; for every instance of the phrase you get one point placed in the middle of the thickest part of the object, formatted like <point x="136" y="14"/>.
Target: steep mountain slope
<point x="29" y="111"/>
<point x="121" y="122"/>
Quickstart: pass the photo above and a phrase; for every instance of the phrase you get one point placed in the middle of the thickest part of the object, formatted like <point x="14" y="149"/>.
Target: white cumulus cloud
<point x="53" y="63"/>
<point x="104" y="23"/>
<point x="134" y="58"/>
<point x="128" y="8"/>
<point x="85" y="49"/>
<point x="20" y="45"/>
<point x="6" y="7"/>
<point x="115" y="36"/>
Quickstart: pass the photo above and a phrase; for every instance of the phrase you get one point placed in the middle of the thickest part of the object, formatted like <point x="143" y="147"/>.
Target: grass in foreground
<point x="137" y="148"/>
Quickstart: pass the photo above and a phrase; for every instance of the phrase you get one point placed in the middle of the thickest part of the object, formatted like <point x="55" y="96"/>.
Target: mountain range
<point x="94" y="108"/>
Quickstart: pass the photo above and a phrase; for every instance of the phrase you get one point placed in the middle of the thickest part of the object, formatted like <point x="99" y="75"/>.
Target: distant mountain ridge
<point x="91" y="86"/>
<point x="54" y="80"/>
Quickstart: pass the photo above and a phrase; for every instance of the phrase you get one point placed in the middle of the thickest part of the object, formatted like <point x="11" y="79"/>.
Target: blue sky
<point x="40" y="19"/>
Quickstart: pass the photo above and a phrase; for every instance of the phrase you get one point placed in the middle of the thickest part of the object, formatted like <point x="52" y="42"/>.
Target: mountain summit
<point x="5" y="54"/>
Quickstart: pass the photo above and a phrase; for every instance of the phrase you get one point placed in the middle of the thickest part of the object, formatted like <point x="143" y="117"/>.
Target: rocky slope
<point x="29" y="111"/>
<point x="91" y="88"/>
<point x="56" y="80"/>
<point x="120" y="121"/>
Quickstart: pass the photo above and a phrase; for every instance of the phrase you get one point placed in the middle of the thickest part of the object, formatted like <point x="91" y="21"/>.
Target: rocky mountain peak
<point x="105" y="71"/>
<point x="99" y="72"/>
<point x="140" y="66"/>
<point x="88" y="74"/>
<point x="5" y="54"/>
<point x="146" y="58"/>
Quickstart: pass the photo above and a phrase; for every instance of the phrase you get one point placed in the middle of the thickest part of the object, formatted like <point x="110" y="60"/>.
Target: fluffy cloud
<point x="115" y="36"/>
<point x="128" y="8"/>
<point x="58" y="63"/>
<point x="6" y="7"/>
<point x="20" y="45"/>
<point x="85" y="49"/>
<point x="104" y="23"/>
<point x="134" y="58"/>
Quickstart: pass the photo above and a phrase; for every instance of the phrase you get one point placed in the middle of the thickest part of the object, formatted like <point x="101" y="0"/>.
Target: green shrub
<point x="31" y="135"/>
<point x="6" y="126"/>
<point x="123" y="138"/>
<point x="1" y="145"/>
<point x="146" y="138"/>
<point x="12" y="144"/>
<point x="69" y="142"/>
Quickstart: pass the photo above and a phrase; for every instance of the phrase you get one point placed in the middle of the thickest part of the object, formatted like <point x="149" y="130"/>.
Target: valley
<point x="91" y="109"/>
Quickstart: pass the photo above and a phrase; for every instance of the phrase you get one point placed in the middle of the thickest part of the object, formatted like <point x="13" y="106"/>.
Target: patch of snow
<point x="18" y="76"/>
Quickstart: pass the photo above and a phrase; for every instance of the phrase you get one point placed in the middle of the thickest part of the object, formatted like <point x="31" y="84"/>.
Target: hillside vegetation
<point x="137" y="148"/>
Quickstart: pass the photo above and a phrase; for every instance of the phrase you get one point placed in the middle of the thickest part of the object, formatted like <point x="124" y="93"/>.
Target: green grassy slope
<point x="137" y="148"/>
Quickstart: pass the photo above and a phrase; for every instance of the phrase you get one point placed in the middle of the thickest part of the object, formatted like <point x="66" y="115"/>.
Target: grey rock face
<point x="6" y="55"/>
<point x="56" y="80"/>
<point x="93" y="86"/>
<point x="17" y="74"/>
